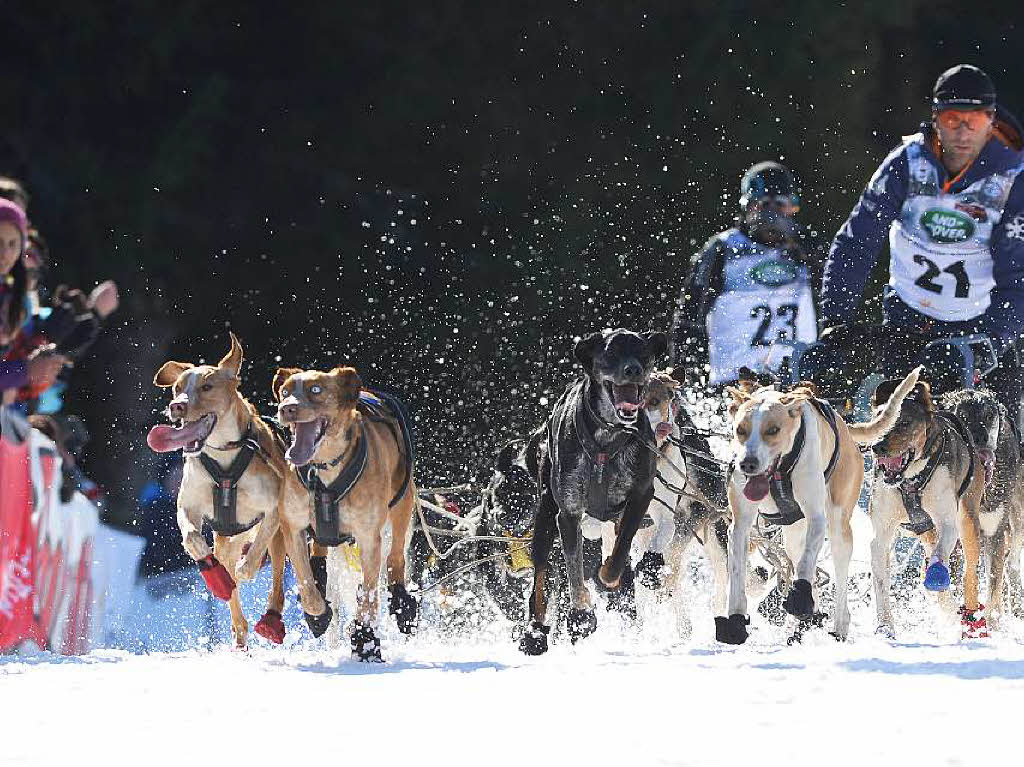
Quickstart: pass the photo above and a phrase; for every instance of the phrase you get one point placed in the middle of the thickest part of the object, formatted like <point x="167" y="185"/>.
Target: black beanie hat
<point x="964" y="87"/>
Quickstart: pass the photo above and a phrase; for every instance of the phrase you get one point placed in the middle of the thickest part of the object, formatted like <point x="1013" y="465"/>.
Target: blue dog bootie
<point x="936" y="577"/>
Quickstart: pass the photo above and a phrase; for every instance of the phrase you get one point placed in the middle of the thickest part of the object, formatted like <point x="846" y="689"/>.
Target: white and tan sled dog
<point x="236" y="480"/>
<point x="796" y="462"/>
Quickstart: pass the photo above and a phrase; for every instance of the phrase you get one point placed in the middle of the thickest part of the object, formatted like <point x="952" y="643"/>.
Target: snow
<point x="868" y="702"/>
<point x="662" y="694"/>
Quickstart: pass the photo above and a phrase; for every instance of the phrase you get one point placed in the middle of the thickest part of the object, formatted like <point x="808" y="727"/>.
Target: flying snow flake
<point x="1015" y="229"/>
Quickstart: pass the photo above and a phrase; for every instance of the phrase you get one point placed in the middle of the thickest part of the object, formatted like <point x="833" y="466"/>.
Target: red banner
<point x="45" y="554"/>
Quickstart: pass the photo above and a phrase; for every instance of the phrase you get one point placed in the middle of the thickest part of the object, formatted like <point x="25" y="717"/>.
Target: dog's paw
<point x="218" y="579"/>
<point x="936" y="577"/>
<point x="365" y="645"/>
<point x="580" y="624"/>
<point x="650" y="570"/>
<point x="271" y="627"/>
<point x="318" y="623"/>
<point x="319" y="567"/>
<point x="623" y="599"/>
<point x="799" y="600"/>
<point x="731" y="630"/>
<point x="534" y="640"/>
<point x="603" y="579"/>
<point x="973" y="624"/>
<point x="403" y="606"/>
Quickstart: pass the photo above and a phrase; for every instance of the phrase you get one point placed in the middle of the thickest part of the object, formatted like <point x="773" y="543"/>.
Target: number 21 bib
<point x="940" y="245"/>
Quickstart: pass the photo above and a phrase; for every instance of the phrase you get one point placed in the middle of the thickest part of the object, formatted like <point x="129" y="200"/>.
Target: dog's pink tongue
<point x="757" y="487"/>
<point x="164" y="438"/>
<point x="890" y="462"/>
<point x="303" y="443"/>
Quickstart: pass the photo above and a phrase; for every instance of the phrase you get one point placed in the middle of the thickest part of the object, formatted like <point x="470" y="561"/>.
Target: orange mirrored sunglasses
<point x="974" y="119"/>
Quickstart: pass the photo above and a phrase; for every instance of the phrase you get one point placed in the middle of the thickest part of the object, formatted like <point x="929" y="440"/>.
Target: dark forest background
<point x="441" y="193"/>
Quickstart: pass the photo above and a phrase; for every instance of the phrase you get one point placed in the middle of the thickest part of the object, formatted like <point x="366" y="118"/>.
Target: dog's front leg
<point x="732" y="628"/>
<point x="190" y="522"/>
<point x="218" y="579"/>
<point x="535" y="639"/>
<point x="812" y="495"/>
<point x="250" y="562"/>
<point x="884" y="510"/>
<point x="610" y="572"/>
<point x="365" y="644"/>
<point x="581" y="621"/>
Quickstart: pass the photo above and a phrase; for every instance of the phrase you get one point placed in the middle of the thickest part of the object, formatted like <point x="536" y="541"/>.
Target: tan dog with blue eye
<point x="237" y="481"/>
<point x="354" y="454"/>
<point x="797" y="464"/>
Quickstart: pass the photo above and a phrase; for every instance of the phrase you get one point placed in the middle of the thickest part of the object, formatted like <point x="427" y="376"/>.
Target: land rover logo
<point x="773" y="273"/>
<point x="947" y="225"/>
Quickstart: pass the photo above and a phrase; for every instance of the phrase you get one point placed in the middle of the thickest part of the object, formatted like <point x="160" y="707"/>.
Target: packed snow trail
<point x="866" y="702"/>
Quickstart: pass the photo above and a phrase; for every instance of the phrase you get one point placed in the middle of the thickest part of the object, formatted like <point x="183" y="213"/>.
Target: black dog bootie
<point x="799" y="601"/>
<point x="403" y="606"/>
<point x="318" y="623"/>
<point x="649" y="570"/>
<point x="580" y="624"/>
<point x="534" y="640"/>
<point x="731" y="630"/>
<point x="365" y="644"/>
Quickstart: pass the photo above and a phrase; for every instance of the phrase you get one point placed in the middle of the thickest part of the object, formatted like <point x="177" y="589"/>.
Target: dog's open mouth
<point x="306" y="439"/>
<point x="893" y="466"/>
<point x="187" y="437"/>
<point x="625" y="398"/>
<point x="758" y="485"/>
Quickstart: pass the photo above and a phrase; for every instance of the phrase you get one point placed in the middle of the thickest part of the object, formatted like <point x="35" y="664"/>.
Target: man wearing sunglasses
<point x="950" y="201"/>
<point x="750" y="294"/>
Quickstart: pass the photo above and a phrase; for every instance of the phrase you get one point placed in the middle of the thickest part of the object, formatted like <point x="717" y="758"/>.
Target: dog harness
<point x="781" y="482"/>
<point x="225" y="484"/>
<point x="325" y="499"/>
<point x="911" y="489"/>
<point x="598" y="456"/>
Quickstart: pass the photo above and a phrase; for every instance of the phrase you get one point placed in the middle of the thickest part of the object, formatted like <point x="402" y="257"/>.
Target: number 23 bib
<point x="766" y="298"/>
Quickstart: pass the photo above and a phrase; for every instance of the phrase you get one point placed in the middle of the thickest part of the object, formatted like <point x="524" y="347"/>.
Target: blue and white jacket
<point x="985" y="204"/>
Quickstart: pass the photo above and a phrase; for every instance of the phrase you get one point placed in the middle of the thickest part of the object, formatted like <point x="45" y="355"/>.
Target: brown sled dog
<point x="356" y="463"/>
<point x="235" y="478"/>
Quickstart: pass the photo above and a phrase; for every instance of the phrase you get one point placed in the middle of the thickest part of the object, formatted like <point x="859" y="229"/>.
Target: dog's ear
<point x="282" y="375"/>
<point x="736" y="398"/>
<point x="586" y="348"/>
<point x="349" y="384"/>
<point x="795" y="399"/>
<point x="169" y="372"/>
<point x="677" y="374"/>
<point x="657" y="344"/>
<point x="923" y="393"/>
<point x="884" y="391"/>
<point x="231" y="363"/>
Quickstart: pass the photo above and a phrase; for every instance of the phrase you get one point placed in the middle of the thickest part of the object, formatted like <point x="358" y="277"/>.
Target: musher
<point x="951" y="204"/>
<point x="750" y="294"/>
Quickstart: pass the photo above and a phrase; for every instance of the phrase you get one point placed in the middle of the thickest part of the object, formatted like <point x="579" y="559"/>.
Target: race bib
<point x="940" y="245"/>
<point x="766" y="306"/>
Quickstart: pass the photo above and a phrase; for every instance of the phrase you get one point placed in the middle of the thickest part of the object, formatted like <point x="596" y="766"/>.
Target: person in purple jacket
<point x="43" y="365"/>
<point x="950" y="202"/>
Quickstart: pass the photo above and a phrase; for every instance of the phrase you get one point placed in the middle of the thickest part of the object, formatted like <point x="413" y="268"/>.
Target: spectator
<point x="35" y="367"/>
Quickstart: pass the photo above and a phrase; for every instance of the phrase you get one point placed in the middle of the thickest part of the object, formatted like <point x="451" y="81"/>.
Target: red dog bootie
<point x="271" y="627"/>
<point x="973" y="623"/>
<point x="218" y="581"/>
